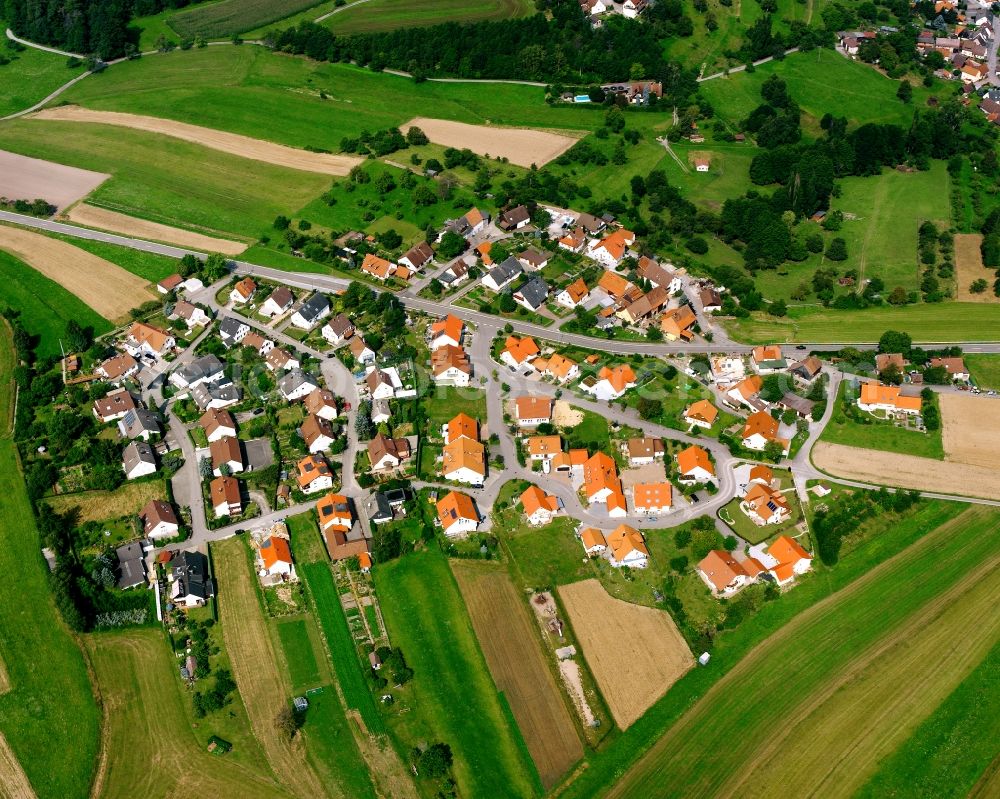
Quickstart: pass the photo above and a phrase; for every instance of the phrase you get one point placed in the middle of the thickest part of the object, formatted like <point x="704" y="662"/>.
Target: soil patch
<point x="232" y="143"/>
<point x="970" y="429"/>
<point x="635" y="653"/>
<point x="23" y="178"/>
<point x="521" y="146"/>
<point x="969" y="267"/>
<point x="565" y="415"/>
<point x="92" y="216"/>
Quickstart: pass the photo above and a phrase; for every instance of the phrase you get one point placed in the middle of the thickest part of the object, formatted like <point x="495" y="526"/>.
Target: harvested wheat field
<point x="521" y="146"/>
<point x="509" y="640"/>
<point x="106" y="287"/>
<point x="96" y="506"/>
<point x="148" y="748"/>
<point x="232" y="143"/>
<point x="969" y="267"/>
<point x="101" y="218"/>
<point x="259" y="670"/>
<point x="970" y="429"/>
<point x="906" y="471"/>
<point x="23" y="178"/>
<point x="13" y="781"/>
<point x="653" y="654"/>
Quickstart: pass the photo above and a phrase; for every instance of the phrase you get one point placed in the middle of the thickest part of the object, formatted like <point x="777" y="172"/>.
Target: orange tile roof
<point x="703" y="411"/>
<point x="318" y="399"/>
<point x="614" y="284"/>
<point x="546" y="446"/>
<point x="484" y="252"/>
<point x="616" y="243"/>
<point x="559" y="366"/>
<point x="677" y="321"/>
<point x="378" y="267"/>
<point x="652" y="495"/>
<point x="453" y="506"/>
<point x="693" y="457"/>
<point x="761" y="472"/>
<point x="474" y="216"/>
<point x="461" y="426"/>
<point x="334" y="512"/>
<point x="245" y="288"/>
<point x="534" y="407"/>
<point x="770" y="352"/>
<point x="141" y="333"/>
<point x="877" y="394"/>
<point x="274" y="551"/>
<point x="619" y="377"/>
<point x="592" y="537"/>
<point x="575" y="239"/>
<point x="465" y="453"/>
<point x="521" y="348"/>
<point x="450" y="357"/>
<point x="577" y="290"/>
<point x="721" y="568"/>
<point x="765" y="502"/>
<point x="624" y="540"/>
<point x="599" y="473"/>
<point x="310" y="468"/>
<point x="534" y="499"/>
<point x="451" y="326"/>
<point x="750" y="387"/>
<point x="786" y="549"/>
<point x="761" y="423"/>
<point x="364" y="560"/>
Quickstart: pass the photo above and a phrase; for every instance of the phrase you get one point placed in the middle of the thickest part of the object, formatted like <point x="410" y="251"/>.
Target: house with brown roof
<point x="243" y="291"/>
<point x="886" y="359"/>
<point x="192" y="315"/>
<point x="143" y="339"/>
<point x="574" y="241"/>
<point x="385" y="454"/>
<point x="158" y="520"/>
<point x="677" y="323"/>
<point x="533" y="259"/>
<point x="694" y="464"/>
<point x="279" y="301"/>
<point x="225" y="498"/>
<point x="955" y="367"/>
<point x="514" y="218"/>
<point x="761" y="429"/>
<point x="118" y="368"/>
<point x="638" y="312"/>
<point x="217" y="423"/>
<point x="256" y="341"/>
<point x="701" y="414"/>
<point x="418" y="256"/>
<point x="338" y="329"/>
<point x="615" y="286"/>
<point x="642" y="451"/>
<point x="279" y="359"/>
<point x="539" y="508"/>
<point x="724" y="575"/>
<point x="807" y="369"/>
<point x="457" y="514"/>
<point x="114" y="406"/>
<point x="226" y="455"/>
<point x="533" y="411"/>
<point x="321" y="402"/>
<point x="317" y="433"/>
<point x="169" y="283"/>
<point x="473" y="222"/>
<point x="313" y="474"/>
<point x="711" y="299"/>
<point x="659" y="275"/>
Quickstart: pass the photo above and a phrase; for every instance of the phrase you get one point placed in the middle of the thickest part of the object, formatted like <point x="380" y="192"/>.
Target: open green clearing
<point x="985" y="370"/>
<point x="846" y="682"/>
<point x="45" y="306"/>
<point x="443" y="403"/>
<point x="948" y="752"/>
<point x="385" y="15"/>
<point x="31" y="76"/>
<point x="303" y="668"/>
<point x="224" y="18"/>
<point x="49" y="717"/>
<point x="425" y="616"/>
<point x="147" y="265"/>
<point x="731" y="647"/>
<point x="168" y="180"/>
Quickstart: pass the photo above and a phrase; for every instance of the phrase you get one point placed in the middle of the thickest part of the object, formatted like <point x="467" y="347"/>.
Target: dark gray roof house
<point x="514" y="218"/>
<point x="215" y="395"/>
<point x="190" y="572"/>
<point x="139" y="423"/>
<point x="131" y="566"/>
<point x="503" y="274"/>
<point x="138" y="459"/>
<point x="377" y="508"/>
<point x="532" y="295"/>
<point x="206" y="369"/>
<point x="314" y="308"/>
<point x="232" y="330"/>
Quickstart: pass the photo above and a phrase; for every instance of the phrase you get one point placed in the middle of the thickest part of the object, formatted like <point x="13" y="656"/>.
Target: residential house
<point x="314" y="474"/>
<point x="610" y="250"/>
<point x="633" y="8"/>
<point x="532" y="295"/>
<point x="143" y="339"/>
<point x="571" y="462"/>
<point x="591" y="224"/>
<point x="454" y="275"/>
<point x="701" y="414"/>
<point x="955" y="367"/>
<point x="206" y="369"/>
<point x="139" y="423"/>
<point x="594" y="542"/>
<point x="338" y="329"/>
<point x="793" y="402"/>
<point x="503" y="274"/>
<point x="746" y="392"/>
<point x="120" y="367"/>
<point x="451" y="366"/>
<point x="694" y="464"/>
<point x="558" y="367"/>
<point x="279" y="301"/>
<point x="627" y="547"/>
<point x="724" y="575"/>
<point x="514" y="218"/>
<point x="114" y="406"/>
<point x="209" y="396"/>
<point x="574" y="241"/>
<point x="312" y="310"/>
<point x="226" y="500"/>
<point x="618" y="288"/>
<point x="457" y="514"/>
<point x="447" y="332"/>
<point x="543" y="448"/>
<point x="378" y="268"/>
<point x="380" y="411"/>
<point x="169" y="283"/>
<point x="519" y="352"/>
<point x="700" y="164"/>
<point x="539" y="507"/>
<point x="677" y="323"/>
<point x="759" y="473"/>
<point x="711" y="300"/>
<point x="760" y="430"/>
<point x="533" y="260"/>
<point x="243" y="291"/>
<point x="191" y="587"/>
<point x="659" y="275"/>
<point x="227" y="455"/>
<point x="217" y="424"/>
<point x="792" y="559"/>
<point x="281" y="360"/>
<point x="464" y="461"/>
<point x="385" y="454"/>
<point x="343" y="538"/>
<point x="764" y="505"/>
<point x="275" y="558"/>
<point x="232" y="331"/>
<point x="363" y="354"/>
<point x="889" y="399"/>
<point x="601" y="484"/>
<point x="474" y="221"/>
<point x="483" y="250"/>
<point x="131" y="565"/>
<point x="462" y="426"/>
<point x="886" y="359"/>
<point x="768" y="359"/>
<point x="533" y="411"/>
<point x="652" y="498"/>
<point x="377" y="508"/>
<point x="334" y="513"/>
<point x="611" y="383"/>
<point x="726" y="368"/>
<point x="138" y="460"/>
<point x="317" y="433"/>
<point x="418" y="256"/>
<point x="296" y="385"/>
<point x="192" y="315"/>
<point x="158" y="520"/>
<point x="322" y="403"/>
<point x="379" y="384"/>
<point x="642" y="451"/>
<point x="807" y="369"/>
<point x="574" y="294"/>
<point x="637" y="312"/>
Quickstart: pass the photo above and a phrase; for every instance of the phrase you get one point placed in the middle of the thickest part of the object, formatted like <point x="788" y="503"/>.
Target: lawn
<point x="306" y="540"/>
<point x="747" y="530"/>
<point x="947" y="754"/>
<point x="168" y="180"/>
<point x="543" y="557"/>
<point x="30" y="76"/>
<point x="45" y="306"/>
<point x="880" y="434"/>
<point x="216" y="20"/>
<point x="303" y="668"/>
<point x="452" y="687"/>
<point x="845" y="683"/>
<point x="731" y="646"/>
<point x="146" y="265"/>
<point x="385" y="15"/>
<point x="985" y="370"/>
<point x="441" y="404"/>
<point x="331" y="747"/>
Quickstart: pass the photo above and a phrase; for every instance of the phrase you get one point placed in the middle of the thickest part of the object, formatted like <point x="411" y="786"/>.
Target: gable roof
<point x="652" y="495"/>
<point x="377" y="267"/>
<point x="624" y="540"/>
<point x="877" y="394"/>
<point x="214" y="418"/>
<point x="454" y="506"/>
<point x="592" y="537"/>
<point x="677" y="321"/>
<point x="559" y="366"/>
<point x="534" y="292"/>
<point x="450" y="326"/>
<point x="419" y="254"/>
<point x="245" y="288"/>
<point x="544" y="446"/>
<point x="274" y="551"/>
<point x="692" y="458"/>
<point x="702" y="410"/>
<point x="314" y="427"/>
<point x="534" y="407"/>
<point x="577" y="290"/>
<point x="314" y="307"/>
<point x="450" y="357"/>
<point x="761" y="423"/>
<point x="521" y="349"/>
<point x="282" y="297"/>
<point x="749" y="387"/>
<point x="506" y="271"/>
<point x="614" y="284"/>
<point x="721" y="568"/>
<point x="463" y="426"/>
<point x="620" y="377"/>
<point x="225" y="489"/>
<point x="225" y="450"/>
<point x="534" y="499"/>
<point x="154" y="512"/>
<point x="156" y="338"/>
<point x="311" y="467"/>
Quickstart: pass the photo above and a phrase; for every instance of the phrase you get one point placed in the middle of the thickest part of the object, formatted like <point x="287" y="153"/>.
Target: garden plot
<point x="521" y="146"/>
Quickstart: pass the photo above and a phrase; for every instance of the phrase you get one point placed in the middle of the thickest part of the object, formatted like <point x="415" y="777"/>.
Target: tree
<point x="435" y="760"/>
<point x="286" y="723"/>
<point x="905" y="91"/>
<point x="814" y="243"/>
<point x="892" y="375"/>
<point x="385" y="183"/>
<point x="773" y="451"/>
<point x="416" y="137"/>
<point x="77" y="338"/>
<point x="614" y="120"/>
<point x="506" y="303"/>
<point x="451" y="245"/>
<point x="895" y="341"/>
<point x="215" y="267"/>
<point x="898" y="296"/>
<point x="778" y="308"/>
<point x="773" y="388"/>
<point x="649" y="408"/>
<point x="837" y="250"/>
<point x="978" y="286"/>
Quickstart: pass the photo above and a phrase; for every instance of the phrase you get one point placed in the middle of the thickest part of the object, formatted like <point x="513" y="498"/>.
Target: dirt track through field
<point x="13" y="781"/>
<point x="260" y="673"/>
<point x="24" y="178"/>
<point x="107" y="288"/>
<point x="232" y="143"/>
<point x="92" y="216"/>
<point x="969" y="267"/>
<point x="510" y="643"/>
<point x="907" y="471"/>
<point x="970" y="429"/>
<point x="632" y="670"/>
<point x="521" y="146"/>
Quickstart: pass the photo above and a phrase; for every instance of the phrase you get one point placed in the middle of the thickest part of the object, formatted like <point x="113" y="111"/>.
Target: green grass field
<point x="948" y="753"/>
<point x="49" y="717"/>
<point x="441" y="404"/>
<point x="385" y="15"/>
<point x="224" y="18"/>
<point x="452" y="687"/>
<point x="303" y="668"/>
<point x="730" y="647"/>
<point x="168" y="180"/>
<point x="45" y="306"/>
<point x="985" y="370"/>
<point x="30" y="76"/>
